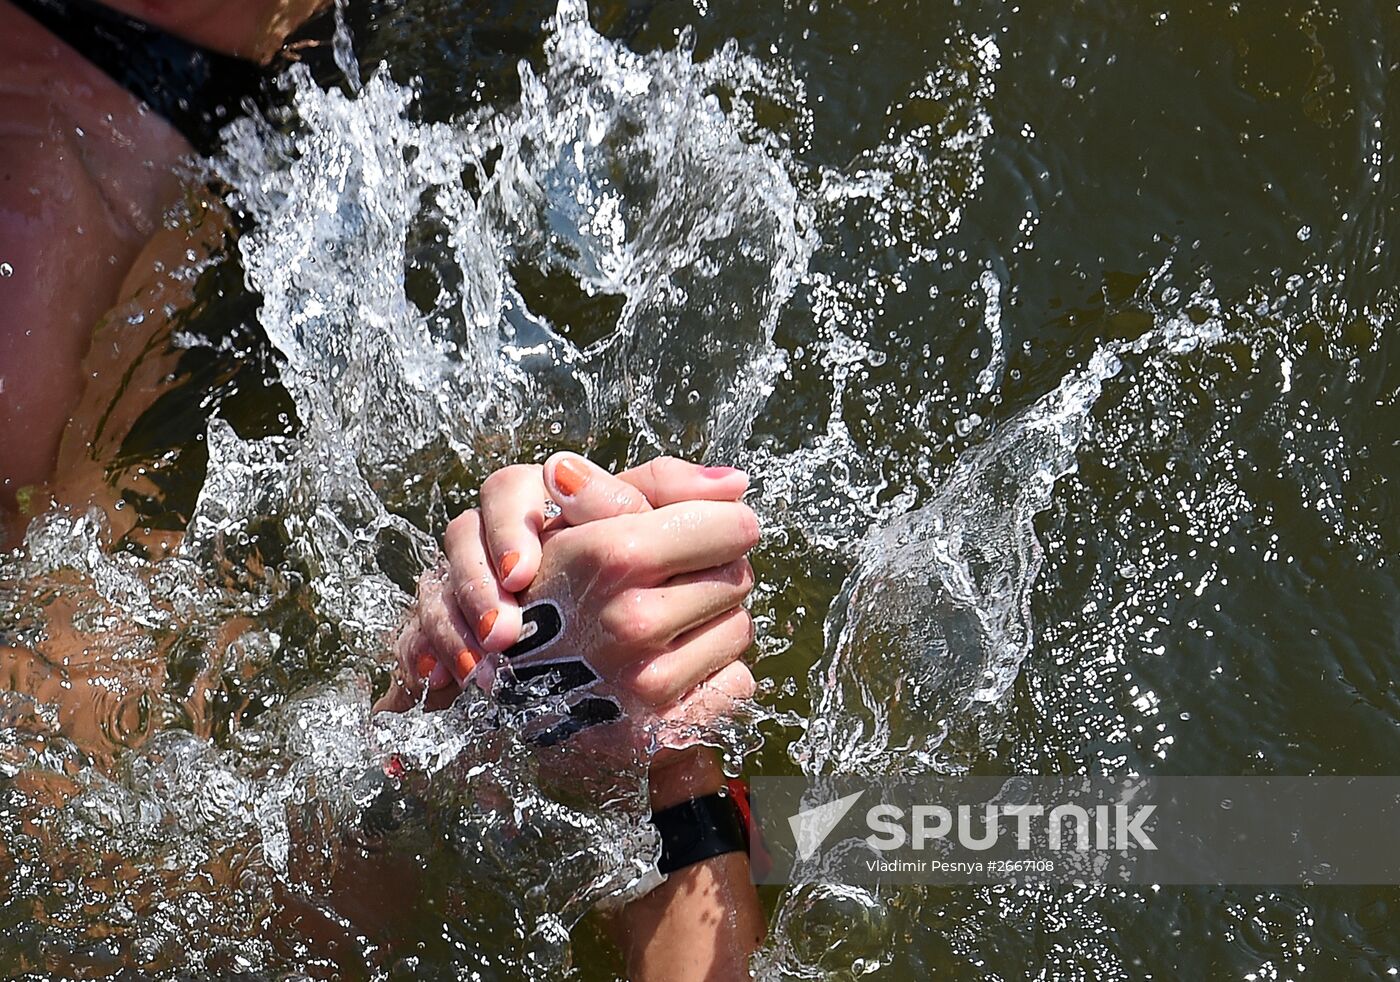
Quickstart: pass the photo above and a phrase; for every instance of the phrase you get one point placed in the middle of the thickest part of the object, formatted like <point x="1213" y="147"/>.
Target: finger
<point x="491" y="611"/>
<point x="666" y="480"/>
<point x="651" y="548"/>
<point x="706" y="594"/>
<point x="446" y="632"/>
<point x="693" y="657"/>
<point x="512" y="512"/>
<point x="418" y="656"/>
<point x="650" y="618"/>
<point x="400" y="699"/>
<point x="585" y="492"/>
<point x="443" y="697"/>
<point x="440" y="618"/>
<point x="457" y="650"/>
<point x="409" y="646"/>
<point x="719" y="697"/>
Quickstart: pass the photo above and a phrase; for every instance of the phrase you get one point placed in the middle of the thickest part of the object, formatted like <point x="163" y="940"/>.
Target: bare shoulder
<point x="85" y="175"/>
<point x="58" y="112"/>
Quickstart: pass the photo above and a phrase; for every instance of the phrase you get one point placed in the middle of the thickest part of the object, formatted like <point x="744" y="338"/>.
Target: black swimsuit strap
<point x="197" y="90"/>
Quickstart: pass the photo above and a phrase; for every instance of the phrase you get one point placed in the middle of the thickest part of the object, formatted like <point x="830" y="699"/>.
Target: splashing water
<point x="433" y="291"/>
<point x="619" y="171"/>
<point x="953" y="580"/>
<point x="928" y="634"/>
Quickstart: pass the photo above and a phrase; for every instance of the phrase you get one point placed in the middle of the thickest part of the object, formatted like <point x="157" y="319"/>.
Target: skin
<point x="252" y="29"/>
<point x="85" y="175"/>
<point x="647" y="609"/>
<point x="664" y="584"/>
<point x="87" y="181"/>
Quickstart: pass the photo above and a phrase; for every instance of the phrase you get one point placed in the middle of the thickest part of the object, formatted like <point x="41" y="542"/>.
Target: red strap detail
<point x="760" y="862"/>
<point x="739" y="791"/>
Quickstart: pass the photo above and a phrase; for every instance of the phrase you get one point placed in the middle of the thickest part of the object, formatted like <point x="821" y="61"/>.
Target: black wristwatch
<point x="703" y="828"/>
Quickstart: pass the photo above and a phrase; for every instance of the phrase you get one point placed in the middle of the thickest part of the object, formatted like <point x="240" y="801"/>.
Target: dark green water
<point x="1219" y="591"/>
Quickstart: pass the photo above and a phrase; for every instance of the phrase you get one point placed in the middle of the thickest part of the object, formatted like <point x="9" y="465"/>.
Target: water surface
<point x="1058" y="337"/>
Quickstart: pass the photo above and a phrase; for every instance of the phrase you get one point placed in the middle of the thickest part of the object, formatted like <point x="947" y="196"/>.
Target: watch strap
<point x="700" y="829"/>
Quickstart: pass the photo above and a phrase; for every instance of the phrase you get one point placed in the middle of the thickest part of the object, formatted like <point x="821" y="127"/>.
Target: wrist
<point x="692" y="773"/>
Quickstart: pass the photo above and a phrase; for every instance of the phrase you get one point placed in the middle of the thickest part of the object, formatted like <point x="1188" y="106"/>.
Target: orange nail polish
<point x="485" y="622"/>
<point x="425" y="665"/>
<point x="466" y="661"/>
<point x="508" y="563"/>
<point x="570" y="475"/>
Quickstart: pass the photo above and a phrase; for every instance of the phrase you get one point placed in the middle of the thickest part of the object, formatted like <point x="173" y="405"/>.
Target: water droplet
<point x="6" y="270"/>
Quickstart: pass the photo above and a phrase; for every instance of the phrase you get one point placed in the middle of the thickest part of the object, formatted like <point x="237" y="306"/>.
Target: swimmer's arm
<point x="704" y="922"/>
<point x="253" y="29"/>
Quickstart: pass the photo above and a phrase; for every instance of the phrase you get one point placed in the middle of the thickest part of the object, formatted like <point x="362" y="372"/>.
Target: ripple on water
<point x="1041" y="546"/>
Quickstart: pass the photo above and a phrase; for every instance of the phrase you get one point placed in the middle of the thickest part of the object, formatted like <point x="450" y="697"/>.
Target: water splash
<point x="343" y="47"/>
<point x="607" y="263"/>
<point x="929" y="632"/>
<point x="989" y="377"/>
<point x="954" y="579"/>
<point x="618" y="171"/>
<point x="397" y="263"/>
<point x="915" y="183"/>
<point x="691" y="359"/>
<point x="884" y="219"/>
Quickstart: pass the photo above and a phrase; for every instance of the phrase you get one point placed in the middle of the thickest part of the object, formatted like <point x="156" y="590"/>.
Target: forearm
<point x="701" y="925"/>
<point x="253" y="29"/>
<point x="704" y="922"/>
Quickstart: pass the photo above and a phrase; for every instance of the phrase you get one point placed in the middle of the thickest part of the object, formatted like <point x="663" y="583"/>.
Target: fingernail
<point x="466" y="661"/>
<point x="508" y="562"/>
<point x="441" y="677"/>
<point x="720" y="473"/>
<point x="425" y="665"/>
<point x="485" y="622"/>
<point x="570" y="476"/>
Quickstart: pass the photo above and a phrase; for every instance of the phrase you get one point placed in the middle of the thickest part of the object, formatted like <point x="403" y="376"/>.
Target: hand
<point x="467" y="607"/>
<point x="650" y="601"/>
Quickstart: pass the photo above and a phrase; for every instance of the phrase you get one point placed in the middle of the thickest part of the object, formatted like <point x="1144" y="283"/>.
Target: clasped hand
<point x="646" y="570"/>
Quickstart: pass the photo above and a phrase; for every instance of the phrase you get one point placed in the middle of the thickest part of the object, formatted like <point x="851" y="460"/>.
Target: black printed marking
<point x="519" y="685"/>
<point x="560" y="677"/>
<point x="542" y="623"/>
<point x="591" y="711"/>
